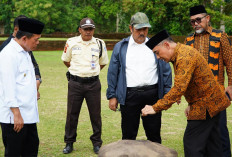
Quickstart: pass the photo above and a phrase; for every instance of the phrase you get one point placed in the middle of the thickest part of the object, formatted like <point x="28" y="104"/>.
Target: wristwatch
<point x="39" y="79"/>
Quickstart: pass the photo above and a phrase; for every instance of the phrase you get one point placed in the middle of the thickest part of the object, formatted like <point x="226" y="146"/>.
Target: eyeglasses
<point x="198" y="20"/>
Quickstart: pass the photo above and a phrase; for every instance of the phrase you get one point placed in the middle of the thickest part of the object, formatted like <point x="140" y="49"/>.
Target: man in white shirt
<point x="136" y="78"/>
<point x="18" y="93"/>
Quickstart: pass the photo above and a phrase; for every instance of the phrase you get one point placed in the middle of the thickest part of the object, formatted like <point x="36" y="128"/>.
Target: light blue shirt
<point x="17" y="84"/>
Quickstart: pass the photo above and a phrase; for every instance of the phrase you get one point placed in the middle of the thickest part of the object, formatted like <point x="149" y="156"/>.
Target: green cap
<point x="140" y="20"/>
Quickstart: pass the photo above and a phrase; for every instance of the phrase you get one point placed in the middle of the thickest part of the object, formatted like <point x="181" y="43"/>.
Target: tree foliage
<point x="112" y="15"/>
<point x="56" y="14"/>
<point x="6" y="14"/>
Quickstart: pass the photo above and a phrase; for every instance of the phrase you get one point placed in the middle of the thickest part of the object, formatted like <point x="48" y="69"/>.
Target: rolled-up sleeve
<point x="67" y="53"/>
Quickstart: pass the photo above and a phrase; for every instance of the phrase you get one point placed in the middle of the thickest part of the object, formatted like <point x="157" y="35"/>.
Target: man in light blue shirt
<point x="18" y="93"/>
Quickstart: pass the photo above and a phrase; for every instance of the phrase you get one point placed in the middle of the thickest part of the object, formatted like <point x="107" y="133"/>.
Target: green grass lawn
<point x="52" y="111"/>
<point x="3" y="38"/>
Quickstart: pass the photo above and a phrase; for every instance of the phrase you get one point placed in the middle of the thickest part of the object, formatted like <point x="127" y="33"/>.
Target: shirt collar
<point x="132" y="41"/>
<point x="18" y="47"/>
<point x="209" y="31"/>
<point x="80" y="40"/>
<point x="175" y="52"/>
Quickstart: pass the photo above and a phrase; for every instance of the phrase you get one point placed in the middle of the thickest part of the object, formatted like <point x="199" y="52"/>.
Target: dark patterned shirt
<point x="225" y="55"/>
<point x="195" y="80"/>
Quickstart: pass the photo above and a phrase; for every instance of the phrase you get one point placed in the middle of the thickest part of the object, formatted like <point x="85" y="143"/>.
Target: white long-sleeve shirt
<point x="17" y="84"/>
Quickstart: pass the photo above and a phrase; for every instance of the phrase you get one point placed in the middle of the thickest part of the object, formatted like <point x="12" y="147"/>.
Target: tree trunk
<point x="117" y="23"/>
<point x="222" y="23"/>
<point x="2" y="29"/>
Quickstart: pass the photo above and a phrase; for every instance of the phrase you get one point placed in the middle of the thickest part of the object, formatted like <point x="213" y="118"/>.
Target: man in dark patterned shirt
<point x="215" y="46"/>
<point x="205" y="97"/>
<point x="36" y="66"/>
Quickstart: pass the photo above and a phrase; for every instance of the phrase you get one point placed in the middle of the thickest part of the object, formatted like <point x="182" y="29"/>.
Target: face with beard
<point x="139" y="35"/>
<point x="200" y="22"/>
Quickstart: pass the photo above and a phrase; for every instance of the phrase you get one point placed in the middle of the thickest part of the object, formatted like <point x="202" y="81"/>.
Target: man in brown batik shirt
<point x="215" y="46"/>
<point x="195" y="80"/>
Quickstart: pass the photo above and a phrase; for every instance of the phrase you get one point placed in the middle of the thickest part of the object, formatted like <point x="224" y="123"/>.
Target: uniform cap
<point x="86" y="23"/>
<point x="197" y="10"/>
<point x="140" y="20"/>
<point x="30" y="25"/>
<point x="156" y="39"/>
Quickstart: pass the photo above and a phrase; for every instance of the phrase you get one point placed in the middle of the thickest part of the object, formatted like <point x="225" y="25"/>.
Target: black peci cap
<point x="197" y="10"/>
<point x="30" y="25"/>
<point x="156" y="39"/>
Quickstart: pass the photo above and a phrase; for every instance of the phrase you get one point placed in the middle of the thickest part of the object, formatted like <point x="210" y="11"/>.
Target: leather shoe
<point x="96" y="149"/>
<point x="68" y="148"/>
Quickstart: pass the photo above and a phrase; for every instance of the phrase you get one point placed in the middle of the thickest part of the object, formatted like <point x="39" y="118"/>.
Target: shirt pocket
<point x="24" y="75"/>
<point x="95" y="56"/>
<point x="76" y="57"/>
<point x="76" y="52"/>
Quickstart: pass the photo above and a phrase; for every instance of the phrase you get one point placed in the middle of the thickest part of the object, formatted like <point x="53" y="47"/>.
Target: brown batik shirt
<point x="194" y="79"/>
<point x="225" y="55"/>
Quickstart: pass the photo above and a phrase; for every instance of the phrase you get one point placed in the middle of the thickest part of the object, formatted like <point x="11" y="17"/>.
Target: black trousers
<point x="77" y="92"/>
<point x="202" y="138"/>
<point x="225" y="138"/>
<point x="25" y="143"/>
<point x="131" y="112"/>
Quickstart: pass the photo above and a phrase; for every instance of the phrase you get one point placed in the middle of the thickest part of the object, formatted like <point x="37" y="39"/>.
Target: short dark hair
<point x="20" y="34"/>
<point x="169" y="39"/>
<point x="17" y="19"/>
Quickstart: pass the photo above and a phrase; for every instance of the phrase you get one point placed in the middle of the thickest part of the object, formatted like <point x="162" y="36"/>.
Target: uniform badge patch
<point x="76" y="48"/>
<point x="65" y="48"/>
<point x="88" y="22"/>
<point x="95" y="50"/>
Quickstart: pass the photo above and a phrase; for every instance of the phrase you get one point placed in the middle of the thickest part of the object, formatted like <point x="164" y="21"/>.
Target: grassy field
<point x="52" y="111"/>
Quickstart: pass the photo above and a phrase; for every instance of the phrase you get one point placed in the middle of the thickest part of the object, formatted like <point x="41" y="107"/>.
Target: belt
<point x="84" y="79"/>
<point x="142" y="88"/>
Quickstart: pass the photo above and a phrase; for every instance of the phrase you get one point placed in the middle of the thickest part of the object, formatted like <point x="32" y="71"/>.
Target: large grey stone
<point x="136" y="148"/>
